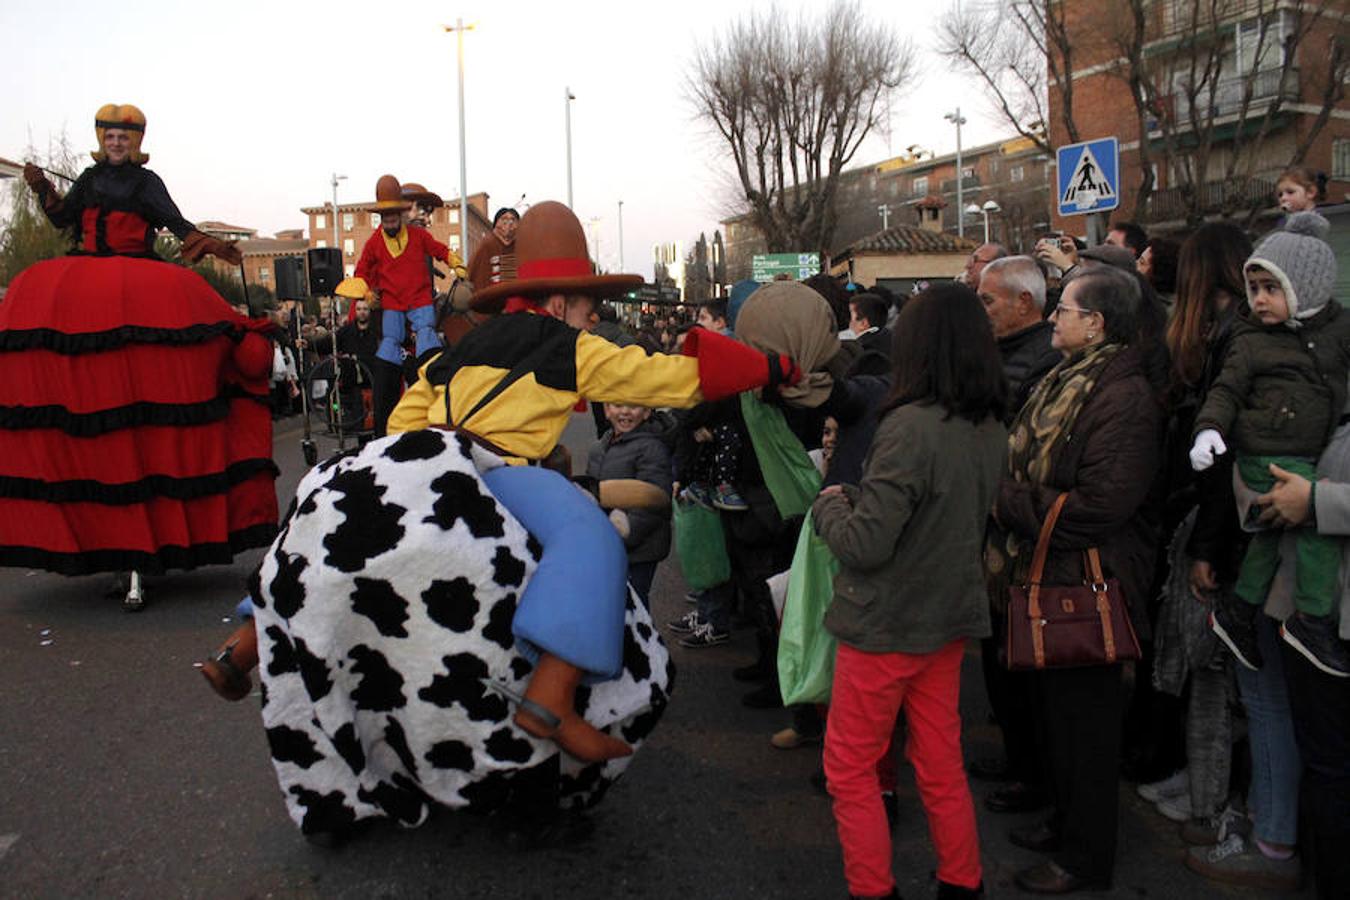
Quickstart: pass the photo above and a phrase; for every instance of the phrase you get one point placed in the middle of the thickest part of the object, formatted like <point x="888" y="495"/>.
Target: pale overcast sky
<point x="246" y="124"/>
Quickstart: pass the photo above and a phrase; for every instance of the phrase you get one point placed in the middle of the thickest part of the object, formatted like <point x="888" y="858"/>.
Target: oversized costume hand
<point x="196" y="245"/>
<point x="36" y="179"/>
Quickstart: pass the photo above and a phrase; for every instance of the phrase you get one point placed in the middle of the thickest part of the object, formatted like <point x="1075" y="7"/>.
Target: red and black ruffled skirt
<point x="134" y="426"/>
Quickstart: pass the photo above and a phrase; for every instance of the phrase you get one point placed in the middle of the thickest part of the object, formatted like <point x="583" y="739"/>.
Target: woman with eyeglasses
<point x="1091" y="429"/>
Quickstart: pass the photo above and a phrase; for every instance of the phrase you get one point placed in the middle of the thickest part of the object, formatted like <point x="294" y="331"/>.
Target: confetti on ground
<point x="47" y="643"/>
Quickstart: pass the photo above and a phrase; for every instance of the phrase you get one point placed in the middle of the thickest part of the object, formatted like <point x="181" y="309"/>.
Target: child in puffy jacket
<point x="1276" y="399"/>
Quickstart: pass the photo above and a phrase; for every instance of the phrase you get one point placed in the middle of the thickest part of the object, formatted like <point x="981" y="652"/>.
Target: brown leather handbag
<point x="1068" y="626"/>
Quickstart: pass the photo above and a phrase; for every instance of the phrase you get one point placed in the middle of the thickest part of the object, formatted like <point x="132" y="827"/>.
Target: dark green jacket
<point x="910" y="537"/>
<point x="1281" y="390"/>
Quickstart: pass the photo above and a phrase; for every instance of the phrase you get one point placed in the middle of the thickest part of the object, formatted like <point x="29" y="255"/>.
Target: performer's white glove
<point x="1208" y="444"/>
<point x="619" y="519"/>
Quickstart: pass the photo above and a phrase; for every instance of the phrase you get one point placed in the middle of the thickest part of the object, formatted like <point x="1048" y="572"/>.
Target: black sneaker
<point x="1316" y="638"/>
<point x="685" y="624"/>
<point x="1236" y="627"/>
<point x="703" y="635"/>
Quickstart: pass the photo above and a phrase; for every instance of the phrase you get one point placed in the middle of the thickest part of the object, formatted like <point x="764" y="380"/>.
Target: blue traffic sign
<point x="1089" y="177"/>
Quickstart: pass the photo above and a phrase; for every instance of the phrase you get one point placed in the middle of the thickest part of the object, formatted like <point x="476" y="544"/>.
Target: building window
<point x="454" y="242"/>
<point x="264" y="273"/>
<point x="374" y="220"/>
<point x="454" y="217"/>
<point x="920" y="188"/>
<point x="349" y="270"/>
<point x="348" y="221"/>
<point x="321" y="221"/>
<point x="1017" y="173"/>
<point x="349" y="246"/>
<point x="1340" y="160"/>
<point x="320" y="243"/>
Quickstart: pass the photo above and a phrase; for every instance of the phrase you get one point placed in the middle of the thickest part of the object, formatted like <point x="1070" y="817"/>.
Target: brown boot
<point x="228" y="670"/>
<point x="552" y="694"/>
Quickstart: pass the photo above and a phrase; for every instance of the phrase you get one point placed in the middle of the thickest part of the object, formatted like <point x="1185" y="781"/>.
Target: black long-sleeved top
<point x="118" y="209"/>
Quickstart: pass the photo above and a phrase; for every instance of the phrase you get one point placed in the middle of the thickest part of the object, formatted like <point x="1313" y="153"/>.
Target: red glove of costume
<point x="196" y="245"/>
<point x="726" y="366"/>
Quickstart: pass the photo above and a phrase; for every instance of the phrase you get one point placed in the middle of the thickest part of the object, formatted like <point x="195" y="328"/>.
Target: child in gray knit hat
<point x="1276" y="399"/>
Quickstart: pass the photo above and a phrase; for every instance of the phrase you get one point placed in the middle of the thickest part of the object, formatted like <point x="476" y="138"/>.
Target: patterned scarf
<point x="1034" y="442"/>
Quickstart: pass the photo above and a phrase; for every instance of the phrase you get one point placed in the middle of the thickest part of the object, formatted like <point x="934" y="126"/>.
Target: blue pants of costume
<point x="396" y="321"/>
<point x="573" y="606"/>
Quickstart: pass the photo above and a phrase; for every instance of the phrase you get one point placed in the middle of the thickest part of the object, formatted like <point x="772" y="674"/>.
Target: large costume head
<point x="127" y="118"/>
<point x="424" y="200"/>
<point x="551" y="258"/>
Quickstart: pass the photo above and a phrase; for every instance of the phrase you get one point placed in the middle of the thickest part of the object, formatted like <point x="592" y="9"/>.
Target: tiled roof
<point x="932" y="201"/>
<point x="909" y="239"/>
<point x="209" y="226"/>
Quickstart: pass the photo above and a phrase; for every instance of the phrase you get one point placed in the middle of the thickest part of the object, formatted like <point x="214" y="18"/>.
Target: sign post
<point x="1088" y="177"/>
<point x="798" y="266"/>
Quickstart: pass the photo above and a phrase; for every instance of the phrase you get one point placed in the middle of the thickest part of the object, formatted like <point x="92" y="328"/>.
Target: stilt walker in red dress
<point x="134" y="429"/>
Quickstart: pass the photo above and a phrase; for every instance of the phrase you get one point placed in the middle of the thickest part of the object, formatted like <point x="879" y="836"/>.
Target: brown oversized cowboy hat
<point x="389" y="195"/>
<point x="551" y="258"/>
<point x="415" y="193"/>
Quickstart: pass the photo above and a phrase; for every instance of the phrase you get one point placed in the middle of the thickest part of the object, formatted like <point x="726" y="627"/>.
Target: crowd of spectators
<point x="947" y="426"/>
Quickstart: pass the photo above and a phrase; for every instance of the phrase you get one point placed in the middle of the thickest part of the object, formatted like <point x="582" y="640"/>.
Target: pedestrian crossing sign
<point x="1089" y="177"/>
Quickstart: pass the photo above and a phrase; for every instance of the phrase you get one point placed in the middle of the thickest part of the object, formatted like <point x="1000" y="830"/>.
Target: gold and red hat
<point x="389" y="196"/>
<point x="126" y="117"/>
<point x="551" y="258"/>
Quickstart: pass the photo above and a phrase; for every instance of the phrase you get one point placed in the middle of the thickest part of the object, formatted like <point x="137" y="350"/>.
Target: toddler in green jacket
<point x="1277" y="398"/>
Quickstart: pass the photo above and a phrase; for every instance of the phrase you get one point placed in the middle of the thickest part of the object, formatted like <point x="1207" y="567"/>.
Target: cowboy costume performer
<point x="511" y="385"/>
<point x="395" y="266"/>
<point x="134" y="428"/>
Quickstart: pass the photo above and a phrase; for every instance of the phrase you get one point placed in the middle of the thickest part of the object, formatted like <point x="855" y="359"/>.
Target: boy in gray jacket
<point x="1283" y="376"/>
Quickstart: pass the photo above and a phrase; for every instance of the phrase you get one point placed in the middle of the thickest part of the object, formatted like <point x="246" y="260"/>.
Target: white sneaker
<point x="1173" y="785"/>
<point x="1177" y="808"/>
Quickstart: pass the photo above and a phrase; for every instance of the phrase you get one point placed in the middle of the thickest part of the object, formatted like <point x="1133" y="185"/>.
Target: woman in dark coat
<point x="1091" y="429"/>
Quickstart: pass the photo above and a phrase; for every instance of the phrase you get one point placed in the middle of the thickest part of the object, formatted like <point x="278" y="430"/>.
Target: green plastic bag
<point x="789" y="474"/>
<point x="805" y="648"/>
<point x="701" y="545"/>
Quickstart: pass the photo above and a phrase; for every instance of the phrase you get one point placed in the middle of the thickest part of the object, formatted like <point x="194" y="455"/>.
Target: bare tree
<point x="1016" y="49"/>
<point x="1229" y="73"/>
<point x="792" y="102"/>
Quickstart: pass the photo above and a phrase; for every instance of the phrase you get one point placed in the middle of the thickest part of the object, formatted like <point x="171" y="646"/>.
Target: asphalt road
<point x="121" y="775"/>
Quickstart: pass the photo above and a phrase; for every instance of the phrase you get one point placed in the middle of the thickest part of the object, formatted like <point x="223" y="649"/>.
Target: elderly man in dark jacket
<point x="1013" y="292"/>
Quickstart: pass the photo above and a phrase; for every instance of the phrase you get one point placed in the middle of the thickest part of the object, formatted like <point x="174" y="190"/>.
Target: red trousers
<point x="869" y="691"/>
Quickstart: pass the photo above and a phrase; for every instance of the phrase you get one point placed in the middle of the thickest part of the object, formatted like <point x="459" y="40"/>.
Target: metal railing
<point x="1266" y="86"/>
<point x="1214" y="197"/>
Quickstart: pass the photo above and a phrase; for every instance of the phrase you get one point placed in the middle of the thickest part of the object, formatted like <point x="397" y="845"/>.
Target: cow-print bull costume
<point x="385" y="601"/>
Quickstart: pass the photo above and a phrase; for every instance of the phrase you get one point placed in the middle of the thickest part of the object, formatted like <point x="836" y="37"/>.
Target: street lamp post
<point x="336" y="240"/>
<point x="620" y="235"/>
<point x="568" y="97"/>
<point x="956" y="119"/>
<point x="459" y="28"/>
<point x="989" y="207"/>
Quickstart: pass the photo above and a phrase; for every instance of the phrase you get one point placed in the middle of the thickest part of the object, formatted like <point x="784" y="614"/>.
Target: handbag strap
<point x="1043" y="542"/>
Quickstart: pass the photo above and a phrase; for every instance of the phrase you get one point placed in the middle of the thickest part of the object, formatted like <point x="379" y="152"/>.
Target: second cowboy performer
<point x="394" y="267"/>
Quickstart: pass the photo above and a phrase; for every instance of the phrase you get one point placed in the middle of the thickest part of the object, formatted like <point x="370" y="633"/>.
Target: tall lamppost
<point x="568" y="97"/>
<point x="459" y="28"/>
<point x="956" y="119"/>
<point x="336" y="240"/>
<point x="620" y="235"/>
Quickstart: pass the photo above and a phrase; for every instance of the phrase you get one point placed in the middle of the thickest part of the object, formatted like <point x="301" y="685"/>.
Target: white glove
<point x="1208" y="444"/>
<point x="619" y="519"/>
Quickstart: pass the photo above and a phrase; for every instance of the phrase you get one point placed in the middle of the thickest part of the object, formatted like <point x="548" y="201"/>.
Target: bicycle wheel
<point x="337" y="396"/>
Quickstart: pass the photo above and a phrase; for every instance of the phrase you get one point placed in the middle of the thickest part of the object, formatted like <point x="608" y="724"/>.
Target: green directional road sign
<point x="798" y="266"/>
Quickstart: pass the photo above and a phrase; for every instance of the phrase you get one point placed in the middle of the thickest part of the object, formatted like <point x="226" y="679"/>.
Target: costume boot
<point x="549" y="711"/>
<point x="228" y="670"/>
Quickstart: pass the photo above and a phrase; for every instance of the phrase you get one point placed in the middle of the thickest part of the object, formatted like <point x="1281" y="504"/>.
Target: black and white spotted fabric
<point x="385" y="601"/>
